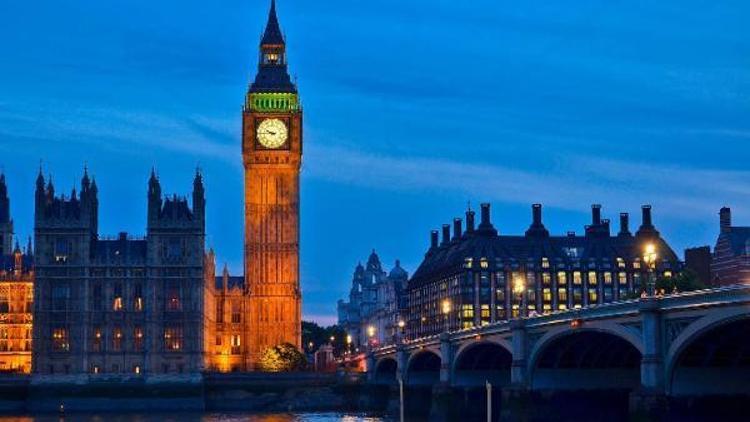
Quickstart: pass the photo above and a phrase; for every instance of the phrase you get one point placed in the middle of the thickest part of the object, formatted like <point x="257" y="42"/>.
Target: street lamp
<point x="401" y="324"/>
<point x="446" y="308"/>
<point x="349" y="343"/>
<point x="649" y="258"/>
<point x="519" y="288"/>
<point x="370" y="333"/>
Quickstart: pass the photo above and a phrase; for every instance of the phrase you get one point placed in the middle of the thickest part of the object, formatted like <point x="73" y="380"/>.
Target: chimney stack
<point x="624" y="223"/>
<point x="433" y="239"/>
<point x="469" y="221"/>
<point x="725" y="220"/>
<point x="446" y="234"/>
<point x="596" y="215"/>
<point x="536" y="211"/>
<point x="646" y="219"/>
<point x="457" y="229"/>
<point x="485" y="214"/>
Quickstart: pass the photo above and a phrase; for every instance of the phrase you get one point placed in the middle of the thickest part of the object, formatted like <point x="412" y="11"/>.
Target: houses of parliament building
<point x="82" y="304"/>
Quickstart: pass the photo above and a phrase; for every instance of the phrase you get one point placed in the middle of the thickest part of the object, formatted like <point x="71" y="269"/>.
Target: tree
<point x="282" y="358"/>
<point x="314" y="334"/>
<point x="685" y="281"/>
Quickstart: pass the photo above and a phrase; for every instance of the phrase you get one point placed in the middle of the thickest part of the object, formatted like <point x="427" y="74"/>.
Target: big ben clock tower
<point x="272" y="154"/>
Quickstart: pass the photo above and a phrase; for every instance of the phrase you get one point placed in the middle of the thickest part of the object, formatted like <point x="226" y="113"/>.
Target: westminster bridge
<point x="685" y="344"/>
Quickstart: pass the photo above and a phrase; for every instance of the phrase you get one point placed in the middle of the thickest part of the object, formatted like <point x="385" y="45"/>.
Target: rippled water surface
<point x="199" y="417"/>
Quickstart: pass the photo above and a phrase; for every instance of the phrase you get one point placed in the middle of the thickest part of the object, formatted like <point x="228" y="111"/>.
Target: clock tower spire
<point x="272" y="155"/>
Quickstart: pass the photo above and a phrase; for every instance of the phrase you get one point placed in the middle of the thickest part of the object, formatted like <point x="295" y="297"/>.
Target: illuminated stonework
<point x="16" y="306"/>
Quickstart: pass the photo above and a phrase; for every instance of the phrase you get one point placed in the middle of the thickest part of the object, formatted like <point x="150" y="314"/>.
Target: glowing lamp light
<point x="518" y="285"/>
<point x="348" y="339"/>
<point x="370" y="331"/>
<point x="446" y="306"/>
<point x="401" y="323"/>
<point x="576" y="323"/>
<point x="649" y="254"/>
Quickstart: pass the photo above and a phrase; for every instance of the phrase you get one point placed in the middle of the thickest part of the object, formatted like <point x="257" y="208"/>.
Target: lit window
<point x="577" y="277"/>
<point x="592" y="278"/>
<point x="607" y="278"/>
<point x="138" y="338"/>
<point x="60" y="339"/>
<point x="173" y="337"/>
<point x="667" y="274"/>
<point x="622" y="278"/>
<point x="620" y="263"/>
<point x="116" y="339"/>
<point x="137" y="369"/>
<point x="95" y="369"/>
<point x="636" y="264"/>
<point x="562" y="295"/>
<point x="592" y="296"/>
<point x="547" y="295"/>
<point x="117" y="304"/>
<point x="546" y="279"/>
<point x="545" y="262"/>
<point x="235" y="344"/>
<point x="561" y="278"/>
<point x="483" y="263"/>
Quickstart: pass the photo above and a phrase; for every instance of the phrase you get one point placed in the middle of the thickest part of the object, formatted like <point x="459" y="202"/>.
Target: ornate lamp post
<point x="401" y="325"/>
<point x="446" y="308"/>
<point x="519" y="288"/>
<point x="349" y="343"/>
<point x="370" y="335"/>
<point x="649" y="258"/>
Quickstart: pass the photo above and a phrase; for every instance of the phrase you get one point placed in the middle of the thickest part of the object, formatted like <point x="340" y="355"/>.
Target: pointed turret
<point x="29" y="248"/>
<point x="154" y="196"/>
<point x="272" y="34"/>
<point x="199" y="195"/>
<point x="272" y="76"/>
<point x="4" y="201"/>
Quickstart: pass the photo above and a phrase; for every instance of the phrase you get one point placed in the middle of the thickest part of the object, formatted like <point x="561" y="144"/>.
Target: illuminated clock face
<point x="272" y="133"/>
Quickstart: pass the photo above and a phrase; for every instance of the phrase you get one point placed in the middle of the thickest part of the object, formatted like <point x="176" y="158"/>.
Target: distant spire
<point x="29" y="249"/>
<point x="272" y="35"/>
<point x="18" y="247"/>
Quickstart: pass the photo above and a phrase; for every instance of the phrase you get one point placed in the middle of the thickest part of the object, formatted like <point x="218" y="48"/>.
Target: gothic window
<point x="62" y="250"/>
<point x="138" y="338"/>
<point x="4" y="304"/>
<point x="218" y="340"/>
<point x="60" y="339"/>
<point x="97" y="341"/>
<point x="173" y="338"/>
<point x="117" y="339"/>
<point x="577" y="277"/>
<point x="173" y="297"/>
<point x="138" y="297"/>
<point x="236" y="312"/>
<point x="175" y="248"/>
<point x="117" y="297"/>
<point x="235" y="344"/>
<point x="545" y="262"/>
<point x="219" y="310"/>
<point x="60" y="296"/>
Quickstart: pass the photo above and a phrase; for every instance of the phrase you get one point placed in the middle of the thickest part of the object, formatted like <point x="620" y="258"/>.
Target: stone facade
<point x="373" y="311"/>
<point x="477" y="277"/>
<point x="731" y="257"/>
<point x="16" y="294"/>
<point x="118" y="306"/>
<point x="272" y="156"/>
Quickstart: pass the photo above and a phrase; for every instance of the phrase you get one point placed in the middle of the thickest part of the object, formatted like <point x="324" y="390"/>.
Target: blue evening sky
<point x="412" y="109"/>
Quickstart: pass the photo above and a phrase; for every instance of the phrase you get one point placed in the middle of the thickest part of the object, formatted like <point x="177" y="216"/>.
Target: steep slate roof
<point x="521" y="250"/>
<point x="272" y="35"/>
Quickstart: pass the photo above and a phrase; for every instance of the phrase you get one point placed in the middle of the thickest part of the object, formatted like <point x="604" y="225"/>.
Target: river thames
<point x="199" y="417"/>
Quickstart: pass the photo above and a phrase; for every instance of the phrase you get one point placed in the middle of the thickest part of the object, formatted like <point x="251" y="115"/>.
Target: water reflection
<point x="197" y="417"/>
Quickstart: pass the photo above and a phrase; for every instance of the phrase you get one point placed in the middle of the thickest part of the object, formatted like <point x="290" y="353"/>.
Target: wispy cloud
<point x="687" y="193"/>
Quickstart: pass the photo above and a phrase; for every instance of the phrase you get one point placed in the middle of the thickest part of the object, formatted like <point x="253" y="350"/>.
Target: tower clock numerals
<point x="272" y="133"/>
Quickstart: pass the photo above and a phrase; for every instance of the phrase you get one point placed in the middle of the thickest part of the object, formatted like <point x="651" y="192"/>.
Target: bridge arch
<point x="484" y="360"/>
<point x="385" y="371"/>
<point x="698" y="359"/>
<point x="423" y="368"/>
<point x="596" y="356"/>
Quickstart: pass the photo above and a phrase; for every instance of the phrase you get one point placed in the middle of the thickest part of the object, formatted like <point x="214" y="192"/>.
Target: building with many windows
<point x="16" y="294"/>
<point x="477" y="276"/>
<point x="375" y="300"/>
<point x="119" y="306"/>
<point x="731" y="257"/>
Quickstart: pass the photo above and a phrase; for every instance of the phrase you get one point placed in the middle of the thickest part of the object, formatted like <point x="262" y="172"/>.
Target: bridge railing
<point x="704" y="297"/>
